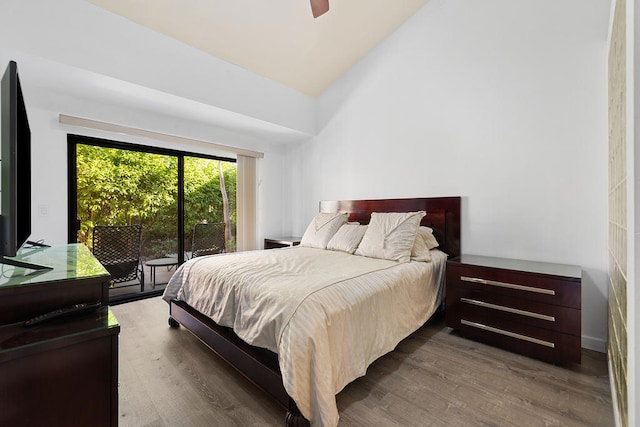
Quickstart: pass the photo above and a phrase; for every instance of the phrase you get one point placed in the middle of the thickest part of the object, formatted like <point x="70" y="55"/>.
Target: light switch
<point x="43" y="210"/>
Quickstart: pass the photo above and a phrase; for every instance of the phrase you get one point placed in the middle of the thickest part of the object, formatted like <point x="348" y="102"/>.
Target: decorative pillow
<point x="425" y="241"/>
<point x="322" y="228"/>
<point x="390" y="235"/>
<point x="429" y="238"/>
<point x="347" y="238"/>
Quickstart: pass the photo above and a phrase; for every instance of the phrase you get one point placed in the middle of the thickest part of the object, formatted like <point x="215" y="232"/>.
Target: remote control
<point x="73" y="310"/>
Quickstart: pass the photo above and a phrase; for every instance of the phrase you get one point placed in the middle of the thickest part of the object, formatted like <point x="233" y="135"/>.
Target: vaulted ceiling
<point x="278" y="39"/>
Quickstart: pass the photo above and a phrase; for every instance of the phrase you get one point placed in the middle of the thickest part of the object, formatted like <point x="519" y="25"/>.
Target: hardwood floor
<point x="433" y="378"/>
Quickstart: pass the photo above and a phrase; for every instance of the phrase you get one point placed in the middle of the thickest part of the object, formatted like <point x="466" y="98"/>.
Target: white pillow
<point x="322" y="228"/>
<point x="390" y="235"/>
<point x="347" y="238"/>
<point x="425" y="241"/>
<point x="429" y="238"/>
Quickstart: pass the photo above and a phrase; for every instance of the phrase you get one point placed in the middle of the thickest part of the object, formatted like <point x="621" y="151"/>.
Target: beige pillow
<point x="347" y="238"/>
<point x="390" y="235"/>
<point x="425" y="241"/>
<point x="322" y="228"/>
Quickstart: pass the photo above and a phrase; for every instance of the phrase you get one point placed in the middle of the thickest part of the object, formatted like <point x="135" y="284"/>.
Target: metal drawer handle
<point x="508" y="285"/>
<point x="509" y="309"/>
<point x="507" y="333"/>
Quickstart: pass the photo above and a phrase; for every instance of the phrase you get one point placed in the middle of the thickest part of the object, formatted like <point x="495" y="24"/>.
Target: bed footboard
<point x="258" y="365"/>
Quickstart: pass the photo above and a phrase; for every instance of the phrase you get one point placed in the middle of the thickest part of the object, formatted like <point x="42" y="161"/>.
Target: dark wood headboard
<point x="443" y="215"/>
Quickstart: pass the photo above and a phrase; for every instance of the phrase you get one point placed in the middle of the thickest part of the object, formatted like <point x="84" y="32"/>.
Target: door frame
<point x="72" y="190"/>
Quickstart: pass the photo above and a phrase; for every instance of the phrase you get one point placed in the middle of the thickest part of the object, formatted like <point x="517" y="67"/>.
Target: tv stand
<point x="76" y="277"/>
<point x="27" y="255"/>
<point x="63" y="372"/>
<point x="22" y="264"/>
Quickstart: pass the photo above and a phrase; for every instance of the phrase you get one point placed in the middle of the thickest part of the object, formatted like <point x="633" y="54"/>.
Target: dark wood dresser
<point x="532" y="308"/>
<point x="62" y="372"/>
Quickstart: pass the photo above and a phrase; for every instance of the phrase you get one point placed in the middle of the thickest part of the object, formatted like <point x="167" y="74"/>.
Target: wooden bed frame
<point x="259" y="365"/>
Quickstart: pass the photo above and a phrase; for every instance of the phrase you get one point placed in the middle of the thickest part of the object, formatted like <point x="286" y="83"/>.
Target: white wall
<point x="49" y="145"/>
<point x="500" y="102"/>
<point x="49" y="171"/>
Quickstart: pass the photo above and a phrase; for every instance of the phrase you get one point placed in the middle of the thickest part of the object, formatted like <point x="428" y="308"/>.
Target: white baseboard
<point x="596" y="344"/>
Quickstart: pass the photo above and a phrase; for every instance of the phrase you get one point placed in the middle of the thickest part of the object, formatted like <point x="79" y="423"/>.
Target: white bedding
<point x="327" y="314"/>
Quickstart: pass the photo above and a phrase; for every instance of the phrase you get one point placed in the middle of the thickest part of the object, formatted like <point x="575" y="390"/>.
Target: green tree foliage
<point x="203" y="198"/>
<point x="121" y="187"/>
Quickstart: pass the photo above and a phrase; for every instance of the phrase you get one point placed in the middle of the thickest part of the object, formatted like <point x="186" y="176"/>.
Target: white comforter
<point x="327" y="314"/>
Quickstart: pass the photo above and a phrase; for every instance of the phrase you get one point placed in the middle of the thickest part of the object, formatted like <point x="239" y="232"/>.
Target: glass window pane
<point x="209" y="198"/>
<point x="122" y="187"/>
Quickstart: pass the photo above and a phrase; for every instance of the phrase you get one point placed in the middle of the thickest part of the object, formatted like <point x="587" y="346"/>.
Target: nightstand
<point x="281" y="242"/>
<point x="532" y="308"/>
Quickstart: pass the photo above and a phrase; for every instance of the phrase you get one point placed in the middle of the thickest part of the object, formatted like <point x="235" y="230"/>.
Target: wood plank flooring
<point x="433" y="378"/>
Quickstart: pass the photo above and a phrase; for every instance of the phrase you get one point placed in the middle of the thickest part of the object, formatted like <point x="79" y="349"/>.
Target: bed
<point x="292" y="356"/>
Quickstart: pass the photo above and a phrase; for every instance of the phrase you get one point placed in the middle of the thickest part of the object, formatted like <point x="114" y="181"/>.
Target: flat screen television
<point x="15" y="166"/>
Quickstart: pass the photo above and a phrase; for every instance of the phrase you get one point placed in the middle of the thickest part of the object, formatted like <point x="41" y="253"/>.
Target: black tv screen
<point x="15" y="163"/>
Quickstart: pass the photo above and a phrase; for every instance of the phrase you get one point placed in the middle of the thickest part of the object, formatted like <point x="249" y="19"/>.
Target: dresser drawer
<point x="544" y="344"/>
<point x="507" y="309"/>
<point x="518" y="285"/>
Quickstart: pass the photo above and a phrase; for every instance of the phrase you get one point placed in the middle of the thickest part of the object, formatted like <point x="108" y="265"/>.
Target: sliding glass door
<point x="209" y="198"/>
<point x="159" y="194"/>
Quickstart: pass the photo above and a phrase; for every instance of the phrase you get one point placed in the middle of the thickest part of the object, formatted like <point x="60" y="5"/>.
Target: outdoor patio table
<point x="160" y="262"/>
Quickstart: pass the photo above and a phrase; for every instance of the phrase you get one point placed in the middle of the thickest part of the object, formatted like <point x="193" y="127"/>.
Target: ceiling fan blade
<point x="319" y="7"/>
